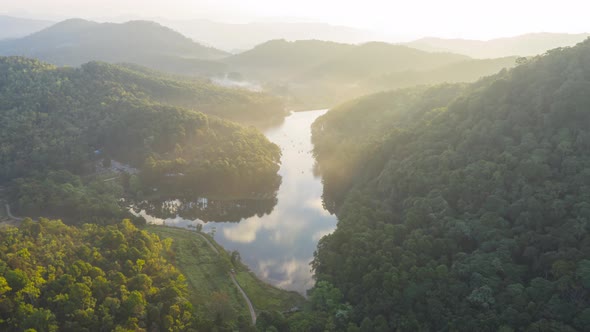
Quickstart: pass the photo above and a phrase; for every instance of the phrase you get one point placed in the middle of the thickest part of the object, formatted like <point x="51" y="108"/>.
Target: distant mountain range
<point x="524" y="45"/>
<point x="241" y="37"/>
<point x="76" y="41"/>
<point x="308" y="73"/>
<point x="16" y="27"/>
<point x="237" y="38"/>
<point x="313" y="73"/>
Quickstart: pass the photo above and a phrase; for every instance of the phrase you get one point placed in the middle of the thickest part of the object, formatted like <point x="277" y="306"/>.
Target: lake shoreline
<point x="276" y="239"/>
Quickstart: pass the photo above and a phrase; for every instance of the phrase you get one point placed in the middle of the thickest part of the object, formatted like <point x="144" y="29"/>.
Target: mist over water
<point x="279" y="246"/>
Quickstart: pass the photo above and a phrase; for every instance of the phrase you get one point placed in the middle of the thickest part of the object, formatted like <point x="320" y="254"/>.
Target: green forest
<point x="55" y="277"/>
<point x="463" y="207"/>
<point x="57" y="124"/>
<point x="138" y="191"/>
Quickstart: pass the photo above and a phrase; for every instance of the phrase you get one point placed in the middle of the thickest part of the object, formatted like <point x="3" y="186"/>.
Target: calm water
<point x="278" y="246"/>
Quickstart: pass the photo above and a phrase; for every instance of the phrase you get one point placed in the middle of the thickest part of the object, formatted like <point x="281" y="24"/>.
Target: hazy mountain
<point x="524" y="45"/>
<point x="312" y="73"/>
<point x="75" y="41"/>
<point x="313" y="59"/>
<point x="234" y="37"/>
<point x="16" y="27"/>
<point x="286" y="58"/>
<point x="376" y="58"/>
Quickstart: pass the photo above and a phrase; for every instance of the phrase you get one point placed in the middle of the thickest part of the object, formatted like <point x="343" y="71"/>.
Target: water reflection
<point x="207" y="209"/>
<point x="277" y="244"/>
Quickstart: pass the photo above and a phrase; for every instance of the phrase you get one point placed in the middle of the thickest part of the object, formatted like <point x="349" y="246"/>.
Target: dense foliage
<point x="61" y="194"/>
<point x="54" y="277"/>
<point x="68" y="119"/>
<point x="465" y="208"/>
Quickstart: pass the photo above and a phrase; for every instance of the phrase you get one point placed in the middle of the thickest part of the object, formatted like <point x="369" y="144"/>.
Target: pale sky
<point x="443" y="18"/>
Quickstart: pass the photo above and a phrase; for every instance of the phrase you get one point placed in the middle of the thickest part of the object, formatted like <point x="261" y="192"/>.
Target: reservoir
<point x="276" y="238"/>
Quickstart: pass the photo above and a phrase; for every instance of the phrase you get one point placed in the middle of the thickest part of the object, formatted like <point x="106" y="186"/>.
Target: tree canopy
<point x="55" y="277"/>
<point x="463" y="207"/>
<point x="68" y="119"/>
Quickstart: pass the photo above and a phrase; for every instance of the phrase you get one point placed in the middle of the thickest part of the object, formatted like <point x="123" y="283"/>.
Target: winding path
<point x="10" y="215"/>
<point x="233" y="279"/>
<point x="250" y="306"/>
<point x="209" y="243"/>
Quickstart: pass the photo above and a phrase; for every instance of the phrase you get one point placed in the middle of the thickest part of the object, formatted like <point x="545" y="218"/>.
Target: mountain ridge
<point x="522" y="45"/>
<point x="76" y="41"/>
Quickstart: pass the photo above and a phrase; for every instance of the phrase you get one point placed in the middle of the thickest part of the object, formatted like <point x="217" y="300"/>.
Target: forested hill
<point x="76" y="41"/>
<point x="116" y="278"/>
<point x="467" y="208"/>
<point x="291" y="57"/>
<point x="57" y="123"/>
<point x="312" y="73"/>
<point x="197" y="94"/>
<point x="319" y="58"/>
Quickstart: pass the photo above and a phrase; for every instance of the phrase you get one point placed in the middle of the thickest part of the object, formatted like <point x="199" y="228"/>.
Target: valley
<point x="188" y="175"/>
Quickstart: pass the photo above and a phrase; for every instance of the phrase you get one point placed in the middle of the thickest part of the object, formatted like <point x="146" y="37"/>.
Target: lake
<point x="278" y="236"/>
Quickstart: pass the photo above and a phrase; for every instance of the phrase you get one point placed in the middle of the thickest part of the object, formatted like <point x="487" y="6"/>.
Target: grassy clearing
<point x="265" y="296"/>
<point x="207" y="274"/>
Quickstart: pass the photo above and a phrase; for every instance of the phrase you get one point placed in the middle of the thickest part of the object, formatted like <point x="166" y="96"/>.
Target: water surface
<point x="276" y="243"/>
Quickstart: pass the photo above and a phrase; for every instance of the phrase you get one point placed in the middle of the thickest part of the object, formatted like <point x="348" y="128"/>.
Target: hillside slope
<point x="465" y="207"/>
<point x="196" y="94"/>
<point x="59" y="120"/>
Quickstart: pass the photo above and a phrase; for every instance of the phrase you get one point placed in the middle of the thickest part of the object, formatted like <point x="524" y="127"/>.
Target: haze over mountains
<point x="313" y="74"/>
<point x="306" y="73"/>
<point x="524" y="45"/>
<point x="241" y="37"/>
<point x="76" y="41"/>
<point x="432" y="185"/>
<point x="16" y="27"/>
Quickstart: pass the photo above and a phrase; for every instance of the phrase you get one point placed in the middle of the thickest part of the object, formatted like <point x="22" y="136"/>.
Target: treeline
<point x="68" y="119"/>
<point x="59" y="278"/>
<point x="462" y="208"/>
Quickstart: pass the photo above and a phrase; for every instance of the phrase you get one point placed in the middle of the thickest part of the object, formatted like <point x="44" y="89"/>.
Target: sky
<point x="443" y="18"/>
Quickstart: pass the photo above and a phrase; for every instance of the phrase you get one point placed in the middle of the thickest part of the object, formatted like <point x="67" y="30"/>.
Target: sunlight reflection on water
<point x="279" y="246"/>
